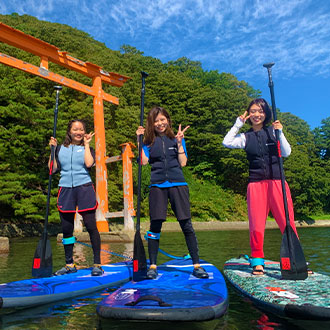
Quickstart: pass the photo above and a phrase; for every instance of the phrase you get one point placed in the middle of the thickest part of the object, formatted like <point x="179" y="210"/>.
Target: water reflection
<point x="4" y="260"/>
<point x="83" y="257"/>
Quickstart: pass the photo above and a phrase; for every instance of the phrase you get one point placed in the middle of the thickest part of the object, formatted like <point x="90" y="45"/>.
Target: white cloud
<point x="235" y="36"/>
<point x="35" y="8"/>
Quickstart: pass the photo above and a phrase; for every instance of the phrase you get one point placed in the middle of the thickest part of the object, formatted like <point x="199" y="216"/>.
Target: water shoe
<point x="152" y="274"/>
<point x="200" y="272"/>
<point x="97" y="271"/>
<point x="66" y="270"/>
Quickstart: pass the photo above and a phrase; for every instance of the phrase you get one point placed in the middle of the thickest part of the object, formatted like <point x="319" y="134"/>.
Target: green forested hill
<point x="208" y="101"/>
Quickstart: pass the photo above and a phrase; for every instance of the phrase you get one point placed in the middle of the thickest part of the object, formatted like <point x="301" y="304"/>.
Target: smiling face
<point x="258" y="116"/>
<point x="160" y="124"/>
<point x="77" y="132"/>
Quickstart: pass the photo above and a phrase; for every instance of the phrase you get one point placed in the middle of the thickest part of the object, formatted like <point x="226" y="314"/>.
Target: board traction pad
<point x="38" y="291"/>
<point x="311" y="294"/>
<point x="190" y="298"/>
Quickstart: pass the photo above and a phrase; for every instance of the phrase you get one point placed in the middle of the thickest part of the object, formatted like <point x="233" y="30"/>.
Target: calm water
<point x="215" y="247"/>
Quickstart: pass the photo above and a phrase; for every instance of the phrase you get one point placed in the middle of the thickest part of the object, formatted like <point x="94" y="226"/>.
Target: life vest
<point x="163" y="158"/>
<point x="261" y="150"/>
<point x="71" y="163"/>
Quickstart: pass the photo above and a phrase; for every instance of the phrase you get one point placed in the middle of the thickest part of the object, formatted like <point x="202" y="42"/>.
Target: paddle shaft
<point x="277" y="136"/>
<point x="139" y="256"/>
<point x="293" y="263"/>
<point x="138" y="208"/>
<point x="52" y="156"/>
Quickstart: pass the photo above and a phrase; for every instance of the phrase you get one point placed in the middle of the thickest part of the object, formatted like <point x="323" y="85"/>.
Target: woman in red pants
<point x="264" y="192"/>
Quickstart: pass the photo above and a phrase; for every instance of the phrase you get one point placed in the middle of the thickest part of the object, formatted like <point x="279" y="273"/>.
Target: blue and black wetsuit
<point x="168" y="184"/>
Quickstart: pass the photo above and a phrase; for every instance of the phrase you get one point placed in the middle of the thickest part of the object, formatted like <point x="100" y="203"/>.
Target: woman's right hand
<point x="244" y="117"/>
<point x="52" y="141"/>
<point x="140" y="130"/>
<point x="52" y="166"/>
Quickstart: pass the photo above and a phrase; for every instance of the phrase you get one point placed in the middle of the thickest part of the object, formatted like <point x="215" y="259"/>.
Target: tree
<point x="322" y="137"/>
<point x="208" y="101"/>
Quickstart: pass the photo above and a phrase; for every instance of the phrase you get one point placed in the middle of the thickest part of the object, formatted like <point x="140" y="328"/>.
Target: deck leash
<point x="186" y="256"/>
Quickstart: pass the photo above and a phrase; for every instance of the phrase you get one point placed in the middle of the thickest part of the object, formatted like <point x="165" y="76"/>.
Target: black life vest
<point x="163" y="158"/>
<point x="261" y="150"/>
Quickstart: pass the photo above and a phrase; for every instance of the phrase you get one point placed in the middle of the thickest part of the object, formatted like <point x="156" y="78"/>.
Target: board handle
<point x="161" y="303"/>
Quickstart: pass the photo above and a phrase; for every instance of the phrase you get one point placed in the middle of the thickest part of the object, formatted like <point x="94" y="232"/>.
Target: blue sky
<point x="235" y="36"/>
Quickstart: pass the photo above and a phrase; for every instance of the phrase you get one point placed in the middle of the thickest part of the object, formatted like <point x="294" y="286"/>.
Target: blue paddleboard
<point x="308" y="299"/>
<point x="38" y="291"/>
<point x="176" y="295"/>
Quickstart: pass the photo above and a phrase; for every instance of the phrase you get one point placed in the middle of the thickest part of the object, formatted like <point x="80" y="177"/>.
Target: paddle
<point x="139" y="255"/>
<point x="42" y="265"/>
<point x="292" y="259"/>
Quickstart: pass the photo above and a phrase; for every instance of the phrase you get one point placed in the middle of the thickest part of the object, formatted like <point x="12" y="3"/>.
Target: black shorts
<point x="179" y="199"/>
<point x="82" y="198"/>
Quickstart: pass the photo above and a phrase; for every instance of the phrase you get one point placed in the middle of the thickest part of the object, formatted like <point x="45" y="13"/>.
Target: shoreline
<point x="118" y="234"/>
<point x="234" y="225"/>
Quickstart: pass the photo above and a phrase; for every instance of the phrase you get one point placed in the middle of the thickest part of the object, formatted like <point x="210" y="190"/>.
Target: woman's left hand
<point x="277" y="125"/>
<point x="180" y="134"/>
<point x="88" y="137"/>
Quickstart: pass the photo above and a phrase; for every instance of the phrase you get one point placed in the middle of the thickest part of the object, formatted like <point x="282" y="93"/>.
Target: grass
<point x="320" y="217"/>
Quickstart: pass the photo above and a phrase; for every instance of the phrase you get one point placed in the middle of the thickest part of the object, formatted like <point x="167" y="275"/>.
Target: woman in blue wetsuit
<point x="166" y="153"/>
<point x="73" y="159"/>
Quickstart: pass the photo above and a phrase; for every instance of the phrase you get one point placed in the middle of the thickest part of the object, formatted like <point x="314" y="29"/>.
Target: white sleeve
<point x="285" y="146"/>
<point x="234" y="140"/>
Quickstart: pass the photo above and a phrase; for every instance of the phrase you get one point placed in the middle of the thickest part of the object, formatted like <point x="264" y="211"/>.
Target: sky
<point x="235" y="36"/>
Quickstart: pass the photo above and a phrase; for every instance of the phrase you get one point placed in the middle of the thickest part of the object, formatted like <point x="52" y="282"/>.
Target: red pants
<point x="262" y="197"/>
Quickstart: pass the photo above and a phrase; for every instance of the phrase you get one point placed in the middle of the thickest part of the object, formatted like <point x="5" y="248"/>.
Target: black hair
<point x="150" y="134"/>
<point x="264" y="106"/>
<point x="68" y="139"/>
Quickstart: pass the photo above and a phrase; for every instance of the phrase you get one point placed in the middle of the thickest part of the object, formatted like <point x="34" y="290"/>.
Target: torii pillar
<point x="100" y="155"/>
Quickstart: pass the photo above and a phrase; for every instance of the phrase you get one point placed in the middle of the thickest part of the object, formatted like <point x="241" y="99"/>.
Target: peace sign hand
<point x="88" y="138"/>
<point x="180" y="134"/>
<point x="244" y="117"/>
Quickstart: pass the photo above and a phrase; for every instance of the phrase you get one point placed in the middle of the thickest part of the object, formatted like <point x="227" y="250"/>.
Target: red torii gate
<point x="49" y="53"/>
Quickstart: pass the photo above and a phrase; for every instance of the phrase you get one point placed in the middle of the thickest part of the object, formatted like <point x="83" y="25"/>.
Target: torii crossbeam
<point x="49" y="53"/>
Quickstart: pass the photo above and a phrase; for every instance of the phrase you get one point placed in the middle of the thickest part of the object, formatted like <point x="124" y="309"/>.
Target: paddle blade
<point x="42" y="265"/>
<point x="139" y="259"/>
<point x="292" y="259"/>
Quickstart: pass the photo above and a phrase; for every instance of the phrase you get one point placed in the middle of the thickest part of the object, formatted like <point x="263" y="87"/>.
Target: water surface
<point x="215" y="247"/>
